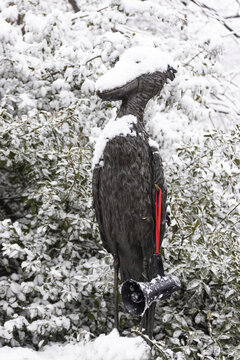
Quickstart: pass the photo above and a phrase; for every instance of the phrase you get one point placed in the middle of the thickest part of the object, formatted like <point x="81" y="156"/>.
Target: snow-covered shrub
<point x="51" y="56"/>
<point x="48" y="55"/>
<point x="202" y="248"/>
<point x="53" y="279"/>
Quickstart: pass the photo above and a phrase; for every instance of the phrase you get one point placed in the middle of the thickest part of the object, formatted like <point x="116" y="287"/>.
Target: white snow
<point x="35" y="23"/>
<point x="204" y="95"/>
<point x="105" y="347"/>
<point x="26" y="101"/>
<point x="153" y="144"/>
<point x="133" y="5"/>
<point x="134" y="62"/>
<point x="7" y="32"/>
<point x="115" y="127"/>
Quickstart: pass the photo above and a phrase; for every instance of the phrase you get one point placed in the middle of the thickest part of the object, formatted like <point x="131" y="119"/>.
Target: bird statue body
<point x="128" y="169"/>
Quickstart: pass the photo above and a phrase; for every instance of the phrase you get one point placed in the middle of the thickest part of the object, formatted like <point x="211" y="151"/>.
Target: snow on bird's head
<point x="134" y="62"/>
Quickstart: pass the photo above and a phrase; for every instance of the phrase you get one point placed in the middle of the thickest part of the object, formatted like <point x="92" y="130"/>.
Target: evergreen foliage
<point x="55" y="278"/>
<point x="52" y="277"/>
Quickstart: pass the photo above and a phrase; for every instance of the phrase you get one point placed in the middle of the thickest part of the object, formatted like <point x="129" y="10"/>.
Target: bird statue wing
<point x="97" y="205"/>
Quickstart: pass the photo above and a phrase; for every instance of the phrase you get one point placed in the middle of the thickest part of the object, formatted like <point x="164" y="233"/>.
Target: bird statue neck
<point x="133" y="105"/>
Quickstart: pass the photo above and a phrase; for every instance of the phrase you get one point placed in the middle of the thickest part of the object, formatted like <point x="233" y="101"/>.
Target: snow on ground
<point x="113" y="346"/>
<point x="105" y="347"/>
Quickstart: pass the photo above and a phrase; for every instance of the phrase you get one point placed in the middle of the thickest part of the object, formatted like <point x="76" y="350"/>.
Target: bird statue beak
<point x="120" y="92"/>
<point x="171" y="73"/>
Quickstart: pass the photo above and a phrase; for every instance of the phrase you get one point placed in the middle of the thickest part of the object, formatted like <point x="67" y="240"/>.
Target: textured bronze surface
<point x="124" y="187"/>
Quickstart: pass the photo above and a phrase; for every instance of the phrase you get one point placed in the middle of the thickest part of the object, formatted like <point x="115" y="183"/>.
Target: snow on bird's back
<point x="122" y="126"/>
<point x="134" y="62"/>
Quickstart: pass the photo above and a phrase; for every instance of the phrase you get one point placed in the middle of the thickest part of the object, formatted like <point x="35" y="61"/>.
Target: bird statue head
<point x="139" y="71"/>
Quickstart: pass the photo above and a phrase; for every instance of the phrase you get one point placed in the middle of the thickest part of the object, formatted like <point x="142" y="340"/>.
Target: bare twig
<point x="196" y="55"/>
<point x="146" y="338"/>
<point x="44" y="77"/>
<point x="215" y="14"/>
<point x="95" y="57"/>
<point x="234" y="208"/>
<point x="86" y="15"/>
<point x="74" y="5"/>
<point x="232" y="16"/>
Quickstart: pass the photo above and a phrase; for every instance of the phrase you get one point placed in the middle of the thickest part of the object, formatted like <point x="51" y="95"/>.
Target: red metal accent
<point x="158" y="205"/>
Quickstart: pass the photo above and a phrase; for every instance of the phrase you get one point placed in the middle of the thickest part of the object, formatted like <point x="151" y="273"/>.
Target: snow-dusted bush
<point x="202" y="249"/>
<point x="53" y="280"/>
<point x="51" y="56"/>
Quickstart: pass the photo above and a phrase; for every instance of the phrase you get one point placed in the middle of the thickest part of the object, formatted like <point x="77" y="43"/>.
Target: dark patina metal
<point x="124" y="187"/>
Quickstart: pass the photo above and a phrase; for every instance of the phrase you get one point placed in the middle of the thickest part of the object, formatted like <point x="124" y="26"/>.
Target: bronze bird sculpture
<point x="128" y="169"/>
